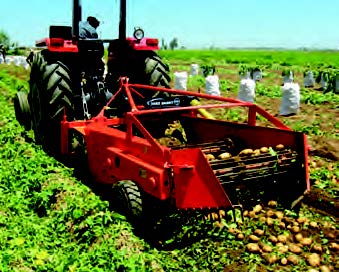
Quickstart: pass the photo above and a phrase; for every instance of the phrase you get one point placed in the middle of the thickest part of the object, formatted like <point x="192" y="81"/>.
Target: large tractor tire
<point x="156" y="72"/>
<point x="127" y="200"/>
<point x="141" y="67"/>
<point x="22" y="110"/>
<point x="50" y="93"/>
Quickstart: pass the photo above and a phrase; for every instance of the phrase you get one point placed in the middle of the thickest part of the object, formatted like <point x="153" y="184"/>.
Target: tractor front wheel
<point x="22" y="110"/>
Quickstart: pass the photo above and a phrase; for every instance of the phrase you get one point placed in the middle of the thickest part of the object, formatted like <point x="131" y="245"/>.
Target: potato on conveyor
<point x="246" y="152"/>
<point x="264" y="149"/>
<point x="225" y="156"/>
<point x="256" y="152"/>
<point x="210" y="157"/>
<point x="279" y="147"/>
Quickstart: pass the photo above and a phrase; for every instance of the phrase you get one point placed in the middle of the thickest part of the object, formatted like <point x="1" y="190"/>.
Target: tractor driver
<point x="87" y="29"/>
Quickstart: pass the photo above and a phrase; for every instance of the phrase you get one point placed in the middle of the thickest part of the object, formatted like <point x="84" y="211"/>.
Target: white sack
<point x="309" y="80"/>
<point x="290" y="101"/>
<point x="180" y="80"/>
<point x="323" y="82"/>
<point x="1" y="59"/>
<point x="212" y="85"/>
<point x="194" y="69"/>
<point x="247" y="88"/>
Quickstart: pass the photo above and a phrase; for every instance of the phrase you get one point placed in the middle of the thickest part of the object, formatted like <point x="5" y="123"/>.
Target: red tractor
<point x="150" y="141"/>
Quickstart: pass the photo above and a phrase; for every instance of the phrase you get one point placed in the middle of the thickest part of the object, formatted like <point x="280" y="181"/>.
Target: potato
<point x="282" y="248"/>
<point x="272" y="203"/>
<point x="254" y="238"/>
<point x="282" y="225"/>
<point x="295" y="229"/>
<point x="331" y="235"/>
<point x="306" y="241"/>
<point x="270" y="258"/>
<point x="294" y="248"/>
<point x="257" y="208"/>
<point x="333" y="246"/>
<point x="317" y="248"/>
<point x="245" y="213"/>
<point x="313" y="225"/>
<point x="293" y="259"/>
<point x="269" y="221"/>
<point x="325" y="268"/>
<point x="266" y="248"/>
<point x="256" y="152"/>
<point x="282" y="238"/>
<point x="240" y="236"/>
<point x="270" y="213"/>
<point x="252" y="214"/>
<point x="210" y="157"/>
<point x="283" y="261"/>
<point x="253" y="247"/>
<point x="234" y="231"/>
<point x="279" y="147"/>
<point x="259" y="232"/>
<point x="225" y="156"/>
<point x="279" y="214"/>
<point x="262" y="219"/>
<point x="264" y="149"/>
<point x="302" y="220"/>
<point x="313" y="259"/>
<point x="273" y="239"/>
<point x="246" y="152"/>
<point x="299" y="237"/>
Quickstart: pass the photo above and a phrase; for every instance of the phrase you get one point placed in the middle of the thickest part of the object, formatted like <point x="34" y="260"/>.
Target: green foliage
<point x="173" y="43"/>
<point x="208" y="69"/>
<point x="4" y="39"/>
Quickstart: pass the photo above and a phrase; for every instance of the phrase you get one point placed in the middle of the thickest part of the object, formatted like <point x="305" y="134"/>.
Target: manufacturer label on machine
<point x="167" y="102"/>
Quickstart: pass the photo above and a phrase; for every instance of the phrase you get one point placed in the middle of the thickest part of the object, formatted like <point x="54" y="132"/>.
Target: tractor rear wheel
<point x="127" y="200"/>
<point x="50" y="93"/>
<point x="156" y="71"/>
<point x="22" y="110"/>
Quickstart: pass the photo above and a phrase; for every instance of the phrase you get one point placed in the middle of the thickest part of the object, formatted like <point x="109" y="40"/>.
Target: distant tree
<point x="173" y="43"/>
<point x="4" y="39"/>
<point x="163" y="44"/>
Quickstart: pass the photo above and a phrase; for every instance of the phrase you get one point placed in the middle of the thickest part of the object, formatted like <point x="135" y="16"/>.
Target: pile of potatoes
<point x="287" y="240"/>
<point x="244" y="153"/>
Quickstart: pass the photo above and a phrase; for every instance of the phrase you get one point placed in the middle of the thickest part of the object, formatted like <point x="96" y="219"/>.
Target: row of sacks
<point x="290" y="93"/>
<point x="328" y="81"/>
<point x="16" y="60"/>
<point x="211" y="83"/>
<point x="290" y="102"/>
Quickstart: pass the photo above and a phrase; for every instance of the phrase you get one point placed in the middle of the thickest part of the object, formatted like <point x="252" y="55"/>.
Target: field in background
<point x="285" y="58"/>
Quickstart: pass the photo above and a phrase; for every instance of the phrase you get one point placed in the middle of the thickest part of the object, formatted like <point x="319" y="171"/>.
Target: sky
<point x="195" y="23"/>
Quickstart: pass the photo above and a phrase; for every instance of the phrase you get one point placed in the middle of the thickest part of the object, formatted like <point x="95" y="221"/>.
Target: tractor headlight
<point x="138" y="33"/>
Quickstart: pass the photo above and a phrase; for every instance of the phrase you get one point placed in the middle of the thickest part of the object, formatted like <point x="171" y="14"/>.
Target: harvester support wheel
<point x="50" y="93"/>
<point x="127" y="200"/>
<point x="22" y="110"/>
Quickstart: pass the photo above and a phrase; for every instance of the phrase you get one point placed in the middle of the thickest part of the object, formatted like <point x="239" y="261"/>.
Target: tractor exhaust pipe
<point x="122" y="23"/>
<point x="76" y="18"/>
